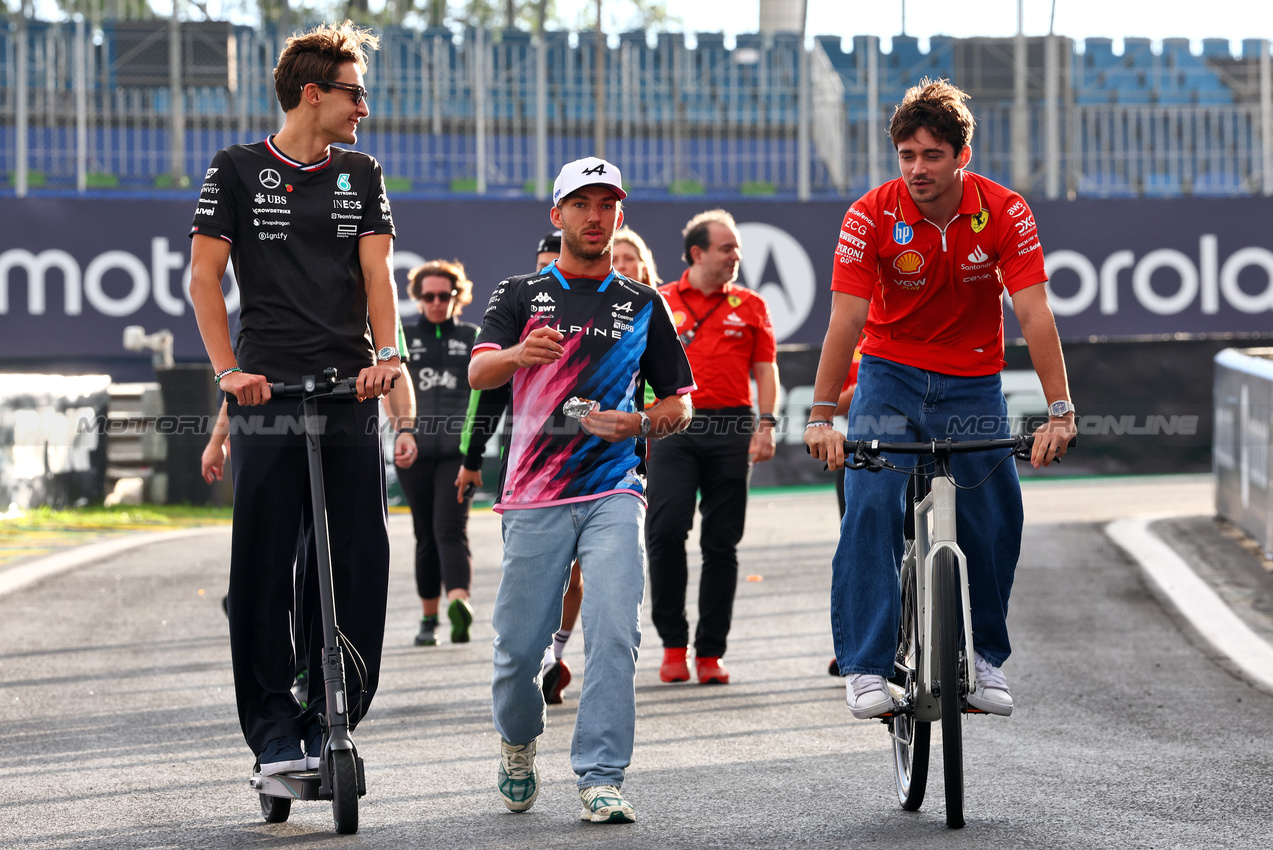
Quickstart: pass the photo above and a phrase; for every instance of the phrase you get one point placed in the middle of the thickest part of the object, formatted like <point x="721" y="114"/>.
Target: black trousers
<point x="442" y="554"/>
<point x="271" y="507"/>
<point x="710" y="457"/>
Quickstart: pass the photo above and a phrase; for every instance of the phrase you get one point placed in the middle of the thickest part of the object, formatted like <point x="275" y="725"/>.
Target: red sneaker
<point x="710" y="671"/>
<point x="556" y="678"/>
<point x="674" y="667"/>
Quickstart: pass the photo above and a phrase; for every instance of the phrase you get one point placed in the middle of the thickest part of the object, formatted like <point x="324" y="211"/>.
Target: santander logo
<point x="978" y="255"/>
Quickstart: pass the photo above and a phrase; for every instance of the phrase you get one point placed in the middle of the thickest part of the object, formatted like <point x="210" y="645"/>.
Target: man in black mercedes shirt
<point x="308" y="228"/>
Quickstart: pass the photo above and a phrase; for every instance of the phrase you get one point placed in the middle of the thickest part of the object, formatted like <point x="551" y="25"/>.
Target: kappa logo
<point x="269" y="178"/>
<point x="980" y="220"/>
<point x="542" y="298"/>
<point x="211" y="171"/>
<point x="599" y="168"/>
<point x="978" y="255"/>
<point x="342" y="182"/>
<point x="625" y="307"/>
<point x="909" y="262"/>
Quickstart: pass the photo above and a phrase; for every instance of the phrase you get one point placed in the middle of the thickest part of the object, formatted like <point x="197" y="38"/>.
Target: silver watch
<point x="645" y="424"/>
<point x="386" y="353"/>
<point x="1060" y="408"/>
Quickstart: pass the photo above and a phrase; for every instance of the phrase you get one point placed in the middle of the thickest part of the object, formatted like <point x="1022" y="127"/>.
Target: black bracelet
<point x="410" y="429"/>
<point x="768" y="417"/>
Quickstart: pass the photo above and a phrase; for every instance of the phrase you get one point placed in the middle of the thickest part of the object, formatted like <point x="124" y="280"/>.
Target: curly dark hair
<point x="450" y="269"/>
<point x="935" y="106"/>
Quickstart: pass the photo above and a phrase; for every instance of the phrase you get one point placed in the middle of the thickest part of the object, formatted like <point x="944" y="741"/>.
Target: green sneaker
<point x="460" y="613"/>
<point x="604" y="804"/>
<point x="518" y="778"/>
<point x="427" y="636"/>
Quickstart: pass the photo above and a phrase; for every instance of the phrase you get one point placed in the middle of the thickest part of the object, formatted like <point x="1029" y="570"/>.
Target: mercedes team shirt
<point x="614" y="330"/>
<point x="936" y="293"/>
<point x="294" y="229"/>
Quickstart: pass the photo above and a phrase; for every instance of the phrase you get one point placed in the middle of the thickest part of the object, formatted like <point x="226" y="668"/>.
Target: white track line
<point x="1194" y="598"/>
<point x="59" y="562"/>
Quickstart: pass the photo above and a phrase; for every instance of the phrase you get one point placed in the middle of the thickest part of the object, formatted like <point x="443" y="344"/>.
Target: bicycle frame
<point x="934" y="530"/>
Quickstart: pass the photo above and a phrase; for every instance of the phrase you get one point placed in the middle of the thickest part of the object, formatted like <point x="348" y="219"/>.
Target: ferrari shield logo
<point x="980" y="220"/>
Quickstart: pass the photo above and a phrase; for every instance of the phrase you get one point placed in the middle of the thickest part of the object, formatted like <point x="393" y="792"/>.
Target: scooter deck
<point x="298" y="785"/>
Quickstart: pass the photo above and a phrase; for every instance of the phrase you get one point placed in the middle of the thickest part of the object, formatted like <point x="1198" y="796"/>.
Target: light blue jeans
<point x="608" y="537"/>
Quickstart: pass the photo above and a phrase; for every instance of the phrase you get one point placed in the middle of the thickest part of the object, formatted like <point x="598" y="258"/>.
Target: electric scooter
<point x="339" y="776"/>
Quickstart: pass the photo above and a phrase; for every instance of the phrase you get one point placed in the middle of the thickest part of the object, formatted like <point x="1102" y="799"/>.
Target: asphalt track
<point x="1130" y="730"/>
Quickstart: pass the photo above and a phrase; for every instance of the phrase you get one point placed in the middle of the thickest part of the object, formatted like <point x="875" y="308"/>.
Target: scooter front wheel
<point x="275" y="809"/>
<point x="344" y="778"/>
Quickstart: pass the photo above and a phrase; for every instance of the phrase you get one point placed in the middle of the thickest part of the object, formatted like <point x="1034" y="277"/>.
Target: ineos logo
<point x="269" y="178"/>
<point x="790" y="297"/>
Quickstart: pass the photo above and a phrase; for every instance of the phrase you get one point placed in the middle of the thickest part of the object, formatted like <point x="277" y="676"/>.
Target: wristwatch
<point x="386" y="353"/>
<point x="1060" y="408"/>
<point x="645" y="424"/>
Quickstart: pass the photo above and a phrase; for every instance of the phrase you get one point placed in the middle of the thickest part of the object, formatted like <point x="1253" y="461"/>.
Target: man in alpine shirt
<point x="729" y="338"/>
<point x="922" y="264"/>
<point x="308" y="228"/>
<point x="577" y="330"/>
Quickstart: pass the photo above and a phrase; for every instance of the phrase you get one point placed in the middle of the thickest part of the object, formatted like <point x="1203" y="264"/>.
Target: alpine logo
<point x="599" y="168"/>
<point x="978" y="255"/>
<point x="626" y="306"/>
<point x="542" y="298"/>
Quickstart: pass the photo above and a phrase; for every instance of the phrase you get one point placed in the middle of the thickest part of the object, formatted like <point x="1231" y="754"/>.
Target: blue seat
<point x="1105" y="186"/>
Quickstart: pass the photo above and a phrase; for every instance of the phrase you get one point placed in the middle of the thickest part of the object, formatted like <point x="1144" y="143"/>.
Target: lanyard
<point x="687" y="336"/>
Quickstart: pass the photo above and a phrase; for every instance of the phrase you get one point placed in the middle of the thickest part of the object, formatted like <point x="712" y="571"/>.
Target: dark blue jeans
<point x="900" y="403"/>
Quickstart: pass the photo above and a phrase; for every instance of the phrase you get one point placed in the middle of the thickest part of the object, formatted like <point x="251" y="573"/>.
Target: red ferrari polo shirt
<point x="936" y="294"/>
<point x="731" y="330"/>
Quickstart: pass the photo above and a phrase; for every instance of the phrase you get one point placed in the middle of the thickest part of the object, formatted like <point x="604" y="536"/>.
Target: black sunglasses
<point x="430" y="297"/>
<point x="359" y="93"/>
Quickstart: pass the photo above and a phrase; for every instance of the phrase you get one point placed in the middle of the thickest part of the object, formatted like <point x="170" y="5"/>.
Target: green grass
<point x="397" y="184"/>
<point x="685" y="187"/>
<point x="122" y="517"/>
<point x="758" y="189"/>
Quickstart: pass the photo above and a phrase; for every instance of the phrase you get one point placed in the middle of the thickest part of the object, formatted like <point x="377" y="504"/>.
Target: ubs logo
<point x="269" y="178"/>
<point x="777" y="267"/>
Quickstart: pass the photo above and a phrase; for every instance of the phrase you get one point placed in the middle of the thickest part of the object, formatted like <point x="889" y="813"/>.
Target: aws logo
<point x="909" y="262"/>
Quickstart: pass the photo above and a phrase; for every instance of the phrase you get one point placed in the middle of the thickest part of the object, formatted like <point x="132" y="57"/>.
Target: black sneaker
<point x="282" y="755"/>
<point x="460" y="613"/>
<point x="313" y="746"/>
<point x="555" y="679"/>
<point x="300" y="688"/>
<point x="427" y="636"/>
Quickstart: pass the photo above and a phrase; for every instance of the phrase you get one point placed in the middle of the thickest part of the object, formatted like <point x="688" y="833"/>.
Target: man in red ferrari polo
<point x="922" y="264"/>
<point x="728" y="335"/>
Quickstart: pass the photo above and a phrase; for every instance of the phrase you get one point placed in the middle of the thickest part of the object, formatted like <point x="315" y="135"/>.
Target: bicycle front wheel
<point x="910" y="737"/>
<point x="947" y="608"/>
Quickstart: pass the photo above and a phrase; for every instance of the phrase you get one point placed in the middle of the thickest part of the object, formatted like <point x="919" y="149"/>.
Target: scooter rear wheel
<point x="275" y="809"/>
<point x="344" y="777"/>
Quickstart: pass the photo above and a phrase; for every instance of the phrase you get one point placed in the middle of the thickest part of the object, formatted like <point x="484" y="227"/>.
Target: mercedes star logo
<point x="269" y="178"/>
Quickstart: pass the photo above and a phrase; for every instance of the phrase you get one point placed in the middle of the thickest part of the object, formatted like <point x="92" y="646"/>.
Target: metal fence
<point x="143" y="106"/>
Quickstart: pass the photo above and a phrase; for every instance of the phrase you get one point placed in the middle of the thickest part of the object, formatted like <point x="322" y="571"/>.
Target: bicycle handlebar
<point x="864" y="454"/>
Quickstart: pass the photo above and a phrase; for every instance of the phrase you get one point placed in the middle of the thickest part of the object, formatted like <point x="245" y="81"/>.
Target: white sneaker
<point x="868" y="695"/>
<point x="991" y="694"/>
<point x="518" y="777"/>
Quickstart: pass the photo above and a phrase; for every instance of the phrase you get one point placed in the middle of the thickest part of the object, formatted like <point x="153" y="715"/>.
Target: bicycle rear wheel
<point x="947" y="608"/>
<point x="910" y="737"/>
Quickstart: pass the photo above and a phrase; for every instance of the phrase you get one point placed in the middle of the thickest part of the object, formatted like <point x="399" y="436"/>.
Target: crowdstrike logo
<point x="978" y="256"/>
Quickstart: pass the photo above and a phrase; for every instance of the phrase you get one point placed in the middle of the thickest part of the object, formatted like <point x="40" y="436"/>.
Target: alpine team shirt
<point x="732" y="330"/>
<point x="614" y="330"/>
<point x="294" y="229"/>
<point x="936" y="294"/>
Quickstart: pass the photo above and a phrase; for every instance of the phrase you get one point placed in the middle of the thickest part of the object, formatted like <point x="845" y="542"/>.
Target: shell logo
<point x="909" y="262"/>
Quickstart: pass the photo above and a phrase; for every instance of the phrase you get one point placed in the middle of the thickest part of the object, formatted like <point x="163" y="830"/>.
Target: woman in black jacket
<point x="438" y="347"/>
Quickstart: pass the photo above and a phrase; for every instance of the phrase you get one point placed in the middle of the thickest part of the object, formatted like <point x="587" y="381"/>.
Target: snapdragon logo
<point x="776" y="266"/>
<point x="1179" y="285"/>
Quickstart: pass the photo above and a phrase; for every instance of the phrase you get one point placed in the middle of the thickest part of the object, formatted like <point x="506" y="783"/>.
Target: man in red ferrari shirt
<point x="922" y="264"/>
<point x="728" y="335"/>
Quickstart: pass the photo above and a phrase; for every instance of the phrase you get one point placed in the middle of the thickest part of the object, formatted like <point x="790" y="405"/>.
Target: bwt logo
<point x="1205" y="282"/>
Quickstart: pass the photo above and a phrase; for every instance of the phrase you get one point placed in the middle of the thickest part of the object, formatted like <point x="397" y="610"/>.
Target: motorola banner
<point x="75" y="272"/>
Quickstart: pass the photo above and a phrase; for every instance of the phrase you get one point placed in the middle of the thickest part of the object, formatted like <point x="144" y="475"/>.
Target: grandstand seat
<point x="1105" y="186"/>
<point x="1162" y="186"/>
<point x="1219" y="184"/>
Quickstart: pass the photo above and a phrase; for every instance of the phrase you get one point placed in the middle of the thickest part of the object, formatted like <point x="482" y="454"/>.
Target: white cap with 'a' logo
<point x="589" y="171"/>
